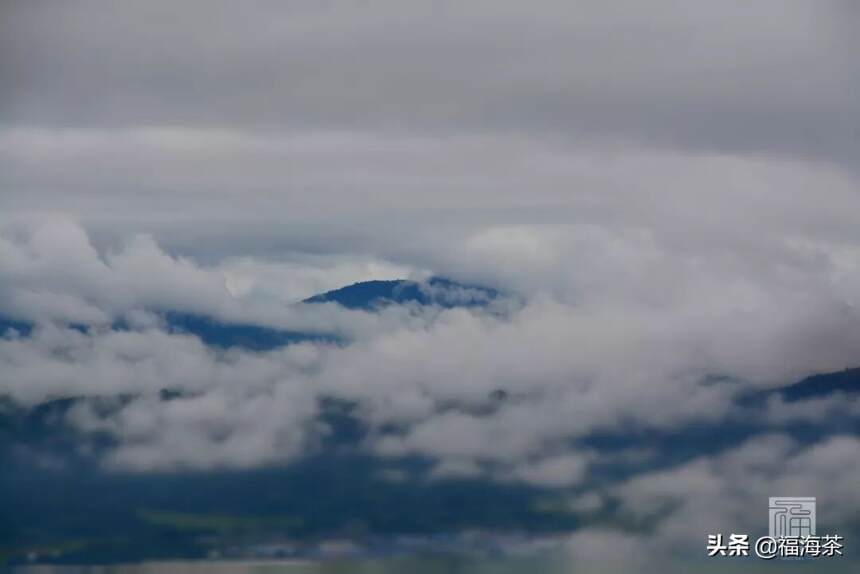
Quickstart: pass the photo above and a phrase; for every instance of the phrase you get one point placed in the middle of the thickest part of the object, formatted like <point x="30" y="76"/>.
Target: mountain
<point x="368" y="296"/>
<point x="11" y="326"/>
<point x="847" y="381"/>
<point x="439" y="291"/>
<point x="55" y="496"/>
<point x="224" y="335"/>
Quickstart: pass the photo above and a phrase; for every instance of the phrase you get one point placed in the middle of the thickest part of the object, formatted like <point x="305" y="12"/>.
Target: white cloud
<point x="728" y="493"/>
<point x="627" y="337"/>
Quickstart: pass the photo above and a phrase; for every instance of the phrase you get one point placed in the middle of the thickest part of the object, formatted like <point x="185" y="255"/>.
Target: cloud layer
<point x="626" y="344"/>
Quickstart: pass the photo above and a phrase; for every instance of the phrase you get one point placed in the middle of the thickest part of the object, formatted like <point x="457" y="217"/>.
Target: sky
<point x="669" y="191"/>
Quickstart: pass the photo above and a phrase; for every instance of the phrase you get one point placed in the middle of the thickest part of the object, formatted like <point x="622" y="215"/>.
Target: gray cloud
<point x="768" y="77"/>
<point x="331" y="128"/>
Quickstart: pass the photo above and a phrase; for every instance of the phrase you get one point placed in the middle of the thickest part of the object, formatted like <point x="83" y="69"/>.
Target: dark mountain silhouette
<point x="847" y="381"/>
<point x="367" y="296"/>
<point x="216" y="333"/>
<point x="370" y="295"/>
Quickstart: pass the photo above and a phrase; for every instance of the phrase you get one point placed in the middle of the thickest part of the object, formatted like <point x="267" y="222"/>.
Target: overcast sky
<point x="157" y="116"/>
<point x="670" y="187"/>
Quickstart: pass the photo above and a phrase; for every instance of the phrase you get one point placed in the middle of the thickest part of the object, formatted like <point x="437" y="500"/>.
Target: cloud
<point x="676" y="509"/>
<point x="631" y="339"/>
<point x="765" y="78"/>
<point x="53" y="272"/>
<point x="229" y="426"/>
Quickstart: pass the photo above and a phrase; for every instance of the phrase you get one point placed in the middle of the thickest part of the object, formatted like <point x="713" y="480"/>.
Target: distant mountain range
<point x="370" y="296"/>
<point x="58" y="500"/>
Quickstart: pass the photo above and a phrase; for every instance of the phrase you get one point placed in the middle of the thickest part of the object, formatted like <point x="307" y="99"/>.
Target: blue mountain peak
<point x="370" y="295"/>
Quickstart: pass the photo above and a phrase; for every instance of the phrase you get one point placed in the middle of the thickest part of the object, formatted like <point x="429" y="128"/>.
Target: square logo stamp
<point x="791" y="516"/>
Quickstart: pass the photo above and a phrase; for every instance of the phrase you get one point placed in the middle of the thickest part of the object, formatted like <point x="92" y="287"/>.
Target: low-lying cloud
<point x="625" y="346"/>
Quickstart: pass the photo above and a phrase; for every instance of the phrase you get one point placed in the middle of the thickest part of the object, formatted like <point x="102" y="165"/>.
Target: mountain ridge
<point x="374" y="294"/>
